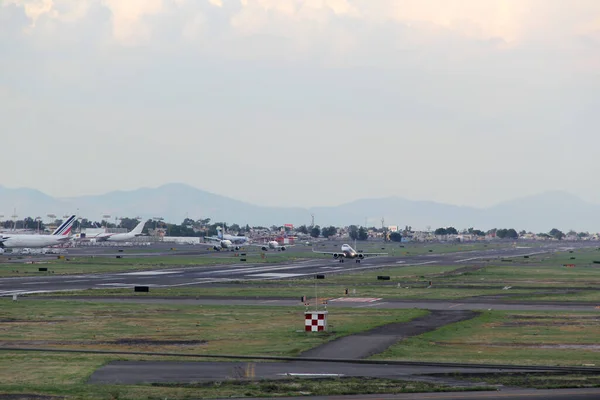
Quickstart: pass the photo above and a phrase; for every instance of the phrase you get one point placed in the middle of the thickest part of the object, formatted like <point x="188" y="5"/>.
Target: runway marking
<point x="372" y="304"/>
<point x="307" y="374"/>
<point x="400" y="262"/>
<point x="470" y="259"/>
<point x="78" y="280"/>
<point x="33" y="283"/>
<point x="152" y="273"/>
<point x="454" y="305"/>
<point x="275" y="275"/>
<point x="357" y="299"/>
<point x="423" y="263"/>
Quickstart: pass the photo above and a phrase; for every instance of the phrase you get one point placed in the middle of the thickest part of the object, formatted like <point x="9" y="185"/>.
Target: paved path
<point x="377" y="340"/>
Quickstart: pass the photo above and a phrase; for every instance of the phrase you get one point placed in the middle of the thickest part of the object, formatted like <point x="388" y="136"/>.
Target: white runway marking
<point x="78" y="280"/>
<point x="423" y="263"/>
<point x="470" y="259"/>
<point x="357" y="299"/>
<point x="33" y="283"/>
<point x="274" y="275"/>
<point x="372" y="304"/>
<point x="308" y="375"/>
<point x="152" y="273"/>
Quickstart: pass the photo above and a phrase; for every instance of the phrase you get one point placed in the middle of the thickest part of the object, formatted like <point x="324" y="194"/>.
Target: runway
<point x="204" y="275"/>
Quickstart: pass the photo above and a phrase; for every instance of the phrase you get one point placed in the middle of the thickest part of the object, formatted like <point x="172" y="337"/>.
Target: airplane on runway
<point x="60" y="235"/>
<point x="225" y="237"/>
<point x="272" y="245"/>
<point x="122" y="237"/>
<point x="223" y="244"/>
<point x="349" y="252"/>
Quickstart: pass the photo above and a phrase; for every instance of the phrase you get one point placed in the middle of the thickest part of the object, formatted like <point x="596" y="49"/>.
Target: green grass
<point x="529" y="338"/>
<point x="226" y="330"/>
<point x="158" y="328"/>
<point x="292" y="292"/>
<point x="536" y="381"/>
<point x="235" y="388"/>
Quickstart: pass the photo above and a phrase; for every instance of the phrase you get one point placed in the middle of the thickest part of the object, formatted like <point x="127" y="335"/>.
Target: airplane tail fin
<point x="65" y="228"/>
<point x="138" y="228"/>
<point x="220" y="232"/>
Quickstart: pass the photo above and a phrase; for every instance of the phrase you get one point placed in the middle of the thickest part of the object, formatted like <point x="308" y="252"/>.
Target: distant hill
<point x="173" y="202"/>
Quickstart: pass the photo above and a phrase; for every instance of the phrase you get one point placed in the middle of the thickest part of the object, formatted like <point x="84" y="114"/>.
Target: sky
<point x="302" y="102"/>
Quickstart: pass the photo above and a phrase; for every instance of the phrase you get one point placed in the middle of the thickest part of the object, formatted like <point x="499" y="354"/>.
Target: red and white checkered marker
<point x="315" y="321"/>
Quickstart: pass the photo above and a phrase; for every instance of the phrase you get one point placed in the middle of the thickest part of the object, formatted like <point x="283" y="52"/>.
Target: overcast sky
<point x="303" y="102"/>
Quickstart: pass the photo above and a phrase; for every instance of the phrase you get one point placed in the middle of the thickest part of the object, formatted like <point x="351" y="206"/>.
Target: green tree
<point x="362" y="234"/>
<point x="353" y="232"/>
<point x="501" y="233"/>
<point x="329" y="231"/>
<point x="396" y="237"/>
<point x="451" y="231"/>
<point x="556" y="234"/>
<point x="441" y="231"/>
<point x="315" y="231"/>
<point x="512" y="234"/>
<point x="302" y="229"/>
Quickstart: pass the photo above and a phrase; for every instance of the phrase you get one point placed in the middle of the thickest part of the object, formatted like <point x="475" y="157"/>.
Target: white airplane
<point x="122" y="237"/>
<point x="60" y="235"/>
<point x="223" y="244"/>
<point x="225" y="237"/>
<point x="272" y="245"/>
<point x="349" y="252"/>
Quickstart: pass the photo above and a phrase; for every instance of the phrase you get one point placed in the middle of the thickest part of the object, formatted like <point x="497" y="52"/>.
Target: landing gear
<point x="341" y="260"/>
<point x="358" y="260"/>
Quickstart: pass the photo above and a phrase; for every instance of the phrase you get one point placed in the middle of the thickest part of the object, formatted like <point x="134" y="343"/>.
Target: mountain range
<point x="175" y="201"/>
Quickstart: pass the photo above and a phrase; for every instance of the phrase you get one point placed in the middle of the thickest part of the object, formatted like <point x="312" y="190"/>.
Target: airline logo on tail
<point x="65" y="228"/>
<point x="219" y="233"/>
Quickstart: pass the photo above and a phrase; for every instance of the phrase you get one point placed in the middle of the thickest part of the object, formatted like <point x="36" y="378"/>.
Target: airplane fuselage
<point x="17" y="241"/>
<point x="273" y="245"/>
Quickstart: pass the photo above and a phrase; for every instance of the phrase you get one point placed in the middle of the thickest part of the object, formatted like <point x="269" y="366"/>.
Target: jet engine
<point x="360" y="256"/>
<point x="237" y="248"/>
<point x="264" y="248"/>
<point x="282" y="248"/>
<point x="336" y="255"/>
<point x="216" y="248"/>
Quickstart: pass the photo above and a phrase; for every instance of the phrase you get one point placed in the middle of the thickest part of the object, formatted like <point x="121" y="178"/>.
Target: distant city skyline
<point x="303" y="103"/>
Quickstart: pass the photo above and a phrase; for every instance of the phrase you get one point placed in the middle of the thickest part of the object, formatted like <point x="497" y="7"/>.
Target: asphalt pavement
<point x="219" y="274"/>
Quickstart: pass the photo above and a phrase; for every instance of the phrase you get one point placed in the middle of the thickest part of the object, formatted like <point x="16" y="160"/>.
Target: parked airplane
<point x="349" y="252"/>
<point x="60" y="235"/>
<point x="272" y="245"/>
<point x="122" y="237"/>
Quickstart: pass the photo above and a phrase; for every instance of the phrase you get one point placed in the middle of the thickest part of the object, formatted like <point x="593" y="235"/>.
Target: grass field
<point x="508" y="337"/>
<point x="294" y="292"/>
<point x="199" y="329"/>
<point x="158" y="328"/>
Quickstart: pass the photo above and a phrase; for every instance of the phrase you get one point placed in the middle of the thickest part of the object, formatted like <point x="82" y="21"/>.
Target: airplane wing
<point x="341" y="252"/>
<point x="373" y="254"/>
<point x="213" y="238"/>
<point x="331" y="253"/>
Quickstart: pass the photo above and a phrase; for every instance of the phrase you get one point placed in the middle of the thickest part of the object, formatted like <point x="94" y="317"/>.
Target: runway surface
<point x="557" y="394"/>
<point x="204" y="275"/>
<point x="138" y="372"/>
